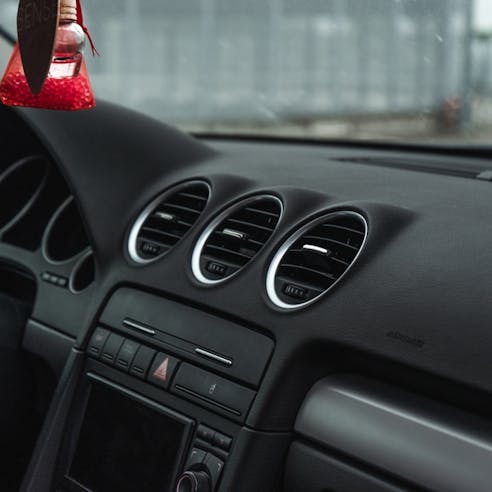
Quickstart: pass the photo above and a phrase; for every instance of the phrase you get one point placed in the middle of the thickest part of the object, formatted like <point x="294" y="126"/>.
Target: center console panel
<point x="162" y="400"/>
<point x="222" y="346"/>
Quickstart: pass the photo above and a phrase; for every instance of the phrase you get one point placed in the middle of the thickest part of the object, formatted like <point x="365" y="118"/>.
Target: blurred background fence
<point x="262" y="62"/>
<point x="286" y="59"/>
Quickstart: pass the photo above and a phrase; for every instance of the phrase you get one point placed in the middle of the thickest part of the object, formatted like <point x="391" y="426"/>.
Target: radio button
<point x="111" y="348"/>
<point x="97" y="341"/>
<point x="205" y="433"/>
<point x="126" y="354"/>
<point x="195" y="459"/>
<point x="222" y="441"/>
<point x="142" y="361"/>
<point x="214" y="466"/>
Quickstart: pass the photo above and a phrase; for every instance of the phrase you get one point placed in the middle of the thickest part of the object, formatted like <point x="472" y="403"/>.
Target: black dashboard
<point x="274" y="315"/>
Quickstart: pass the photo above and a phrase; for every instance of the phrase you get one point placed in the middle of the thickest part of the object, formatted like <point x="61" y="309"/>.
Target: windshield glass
<point x="377" y="69"/>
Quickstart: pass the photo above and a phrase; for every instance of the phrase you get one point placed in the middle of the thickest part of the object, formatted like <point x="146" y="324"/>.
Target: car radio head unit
<point x="126" y="443"/>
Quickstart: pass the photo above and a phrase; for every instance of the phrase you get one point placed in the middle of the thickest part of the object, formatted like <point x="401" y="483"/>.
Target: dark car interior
<point x="236" y="314"/>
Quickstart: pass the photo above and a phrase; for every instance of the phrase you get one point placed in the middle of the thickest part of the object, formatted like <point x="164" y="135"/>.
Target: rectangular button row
<point x="195" y="384"/>
<point x="132" y="357"/>
<point x="54" y="279"/>
<point x="213" y="437"/>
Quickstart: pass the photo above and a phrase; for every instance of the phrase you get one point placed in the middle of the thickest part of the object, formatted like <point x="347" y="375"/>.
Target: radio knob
<point x="193" y="481"/>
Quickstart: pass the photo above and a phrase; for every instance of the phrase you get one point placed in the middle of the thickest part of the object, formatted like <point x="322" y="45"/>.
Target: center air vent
<point x="315" y="258"/>
<point x="235" y="237"/>
<point x="166" y="220"/>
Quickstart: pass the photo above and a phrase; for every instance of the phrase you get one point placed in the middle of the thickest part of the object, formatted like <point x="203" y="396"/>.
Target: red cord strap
<point x="80" y="21"/>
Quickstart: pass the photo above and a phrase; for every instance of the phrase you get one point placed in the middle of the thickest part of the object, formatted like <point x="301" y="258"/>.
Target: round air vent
<point x="65" y="237"/>
<point x="20" y="184"/>
<point x="315" y="258"/>
<point x="83" y="274"/>
<point x="235" y="237"/>
<point x="166" y="220"/>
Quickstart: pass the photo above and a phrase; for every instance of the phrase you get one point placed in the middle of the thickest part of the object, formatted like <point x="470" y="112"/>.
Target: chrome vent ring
<point x="235" y="237"/>
<point x="166" y="220"/>
<point x="315" y="258"/>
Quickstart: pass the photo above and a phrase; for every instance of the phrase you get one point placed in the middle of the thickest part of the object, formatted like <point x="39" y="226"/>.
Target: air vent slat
<point x="338" y="260"/>
<point x="198" y="198"/>
<point x="185" y="224"/>
<point x="315" y="258"/>
<point x="180" y="208"/>
<point x="274" y="215"/>
<point x="166" y="220"/>
<point x="249" y="239"/>
<point x="299" y="251"/>
<point x="311" y="237"/>
<point x="150" y="230"/>
<point x="178" y="228"/>
<point x="234" y="238"/>
<point x="249" y="225"/>
<point x="220" y="250"/>
<point x="311" y="271"/>
<point x="324" y="263"/>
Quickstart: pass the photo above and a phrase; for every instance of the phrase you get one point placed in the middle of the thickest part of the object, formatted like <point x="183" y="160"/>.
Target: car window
<point x="391" y="69"/>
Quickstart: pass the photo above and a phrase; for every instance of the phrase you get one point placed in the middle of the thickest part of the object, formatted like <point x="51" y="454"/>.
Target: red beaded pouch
<point x="63" y="82"/>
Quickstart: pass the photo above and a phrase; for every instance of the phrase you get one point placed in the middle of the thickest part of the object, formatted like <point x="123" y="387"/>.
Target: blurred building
<point x="262" y="61"/>
<point x="280" y="59"/>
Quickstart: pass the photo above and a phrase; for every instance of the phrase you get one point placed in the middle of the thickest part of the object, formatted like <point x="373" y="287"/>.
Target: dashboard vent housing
<point x="235" y="237"/>
<point x="315" y="258"/>
<point x="166" y="220"/>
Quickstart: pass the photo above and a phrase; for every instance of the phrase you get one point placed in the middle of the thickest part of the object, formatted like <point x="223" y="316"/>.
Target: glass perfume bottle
<point x="67" y="54"/>
<point x="67" y="86"/>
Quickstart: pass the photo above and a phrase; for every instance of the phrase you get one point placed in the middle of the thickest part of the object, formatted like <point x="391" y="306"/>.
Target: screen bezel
<point x="77" y="422"/>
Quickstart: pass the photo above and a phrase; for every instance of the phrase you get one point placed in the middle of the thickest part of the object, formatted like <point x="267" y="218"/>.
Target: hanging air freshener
<point x="47" y="68"/>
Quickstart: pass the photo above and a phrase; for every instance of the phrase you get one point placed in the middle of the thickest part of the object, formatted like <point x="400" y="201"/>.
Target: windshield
<point x="378" y="69"/>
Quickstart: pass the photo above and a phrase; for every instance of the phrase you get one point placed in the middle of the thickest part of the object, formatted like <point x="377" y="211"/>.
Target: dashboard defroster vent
<point x="166" y="220"/>
<point x="235" y="237"/>
<point x="315" y="258"/>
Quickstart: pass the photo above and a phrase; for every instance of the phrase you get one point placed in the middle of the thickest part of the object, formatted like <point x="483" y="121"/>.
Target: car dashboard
<point x="234" y="314"/>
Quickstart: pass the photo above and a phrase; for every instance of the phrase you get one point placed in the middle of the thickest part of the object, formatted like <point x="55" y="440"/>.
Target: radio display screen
<point x="127" y="445"/>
